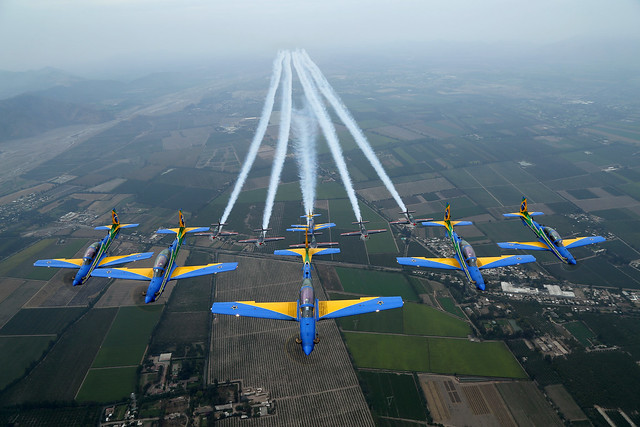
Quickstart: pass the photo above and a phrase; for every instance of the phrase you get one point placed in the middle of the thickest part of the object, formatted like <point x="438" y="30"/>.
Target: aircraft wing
<point x="298" y="228"/>
<point x="62" y="263"/>
<point x="264" y="310"/>
<point x="124" y="273"/>
<point x="186" y="230"/>
<point x="582" y="241"/>
<point x="503" y="261"/>
<point x="518" y="214"/>
<point x="532" y="246"/>
<point x="289" y="252"/>
<point x="382" y="230"/>
<point x="350" y="307"/>
<point x="109" y="227"/>
<point x="273" y="239"/>
<point x="323" y="226"/>
<point x="323" y="251"/>
<point x="115" y="260"/>
<point x="202" y="270"/>
<point x="353" y="233"/>
<point x="442" y="223"/>
<point x="443" y="263"/>
<point x="400" y="221"/>
<point x="248" y="241"/>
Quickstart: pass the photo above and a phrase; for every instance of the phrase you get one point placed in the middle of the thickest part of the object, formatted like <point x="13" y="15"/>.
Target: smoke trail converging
<point x="328" y="130"/>
<point x="283" y="139"/>
<point x="351" y="124"/>
<point x="257" y="138"/>
<point x="305" y="127"/>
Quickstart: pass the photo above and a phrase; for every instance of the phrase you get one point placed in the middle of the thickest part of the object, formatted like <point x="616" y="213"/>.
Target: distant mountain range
<point x="28" y="115"/>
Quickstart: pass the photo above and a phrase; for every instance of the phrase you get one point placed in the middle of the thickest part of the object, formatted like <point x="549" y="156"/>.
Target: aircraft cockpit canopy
<point x="90" y="253"/>
<point x="307" y="301"/>
<point x="553" y="236"/>
<point x="161" y="263"/>
<point x="468" y="253"/>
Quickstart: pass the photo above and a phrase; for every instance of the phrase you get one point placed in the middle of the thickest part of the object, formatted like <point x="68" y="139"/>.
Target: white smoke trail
<point x="305" y="128"/>
<point x="283" y="139"/>
<point x="257" y="138"/>
<point x="351" y="124"/>
<point x="328" y="130"/>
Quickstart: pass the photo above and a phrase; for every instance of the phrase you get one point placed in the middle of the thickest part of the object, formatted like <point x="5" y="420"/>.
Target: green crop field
<point x="178" y="329"/>
<point x="411" y="319"/>
<point x="438" y="355"/>
<point x="193" y="294"/>
<point x="580" y="332"/>
<point x="26" y="254"/>
<point x="393" y="395"/>
<point x="449" y="305"/>
<point x="108" y="385"/>
<point x="41" y="321"/>
<point x="127" y="339"/>
<point x="60" y="374"/>
<point x="17" y="353"/>
<point x="23" y="261"/>
<point x="378" y="283"/>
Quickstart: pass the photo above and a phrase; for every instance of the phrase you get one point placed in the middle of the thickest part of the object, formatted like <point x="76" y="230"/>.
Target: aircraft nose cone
<point x="77" y="282"/>
<point x="148" y="299"/>
<point x="480" y="286"/>
<point x="571" y="261"/>
<point x="307" y="349"/>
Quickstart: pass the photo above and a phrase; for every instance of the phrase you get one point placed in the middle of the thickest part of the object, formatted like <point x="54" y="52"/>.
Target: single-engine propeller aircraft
<point x="165" y="269"/>
<point x="465" y="258"/>
<point x="215" y="231"/>
<point x="409" y="220"/>
<point x="262" y="237"/>
<point x="363" y="232"/>
<point x="311" y="229"/>
<point x="307" y="310"/>
<point x="548" y="238"/>
<point x="96" y="254"/>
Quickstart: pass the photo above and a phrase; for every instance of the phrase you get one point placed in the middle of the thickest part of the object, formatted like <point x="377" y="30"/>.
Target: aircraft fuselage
<point x="550" y="238"/>
<point x="93" y="255"/>
<point x="163" y="266"/>
<point x="467" y="259"/>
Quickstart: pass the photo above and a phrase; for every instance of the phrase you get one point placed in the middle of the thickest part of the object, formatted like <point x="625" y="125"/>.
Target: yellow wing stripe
<point x="538" y="244"/>
<point x="74" y="261"/>
<point x="489" y="259"/>
<point x="286" y="308"/>
<point x="328" y="307"/>
<point x="449" y="261"/>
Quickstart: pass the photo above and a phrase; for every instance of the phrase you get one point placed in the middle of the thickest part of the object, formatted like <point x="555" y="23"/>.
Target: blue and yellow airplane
<point x="548" y="238"/>
<point x="96" y="254"/>
<point x="165" y="269"/>
<point x="465" y="258"/>
<point x="307" y="310"/>
<point x="311" y="229"/>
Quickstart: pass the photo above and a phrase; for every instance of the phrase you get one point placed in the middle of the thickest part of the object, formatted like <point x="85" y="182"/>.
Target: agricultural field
<point x="18" y="353"/>
<point x="438" y="355"/>
<point x="61" y="373"/>
<point x="367" y="282"/>
<point x="411" y="319"/>
<point x="449" y="305"/>
<point x="108" y="384"/>
<point x="19" y="292"/>
<point x="528" y="405"/>
<point x="392" y="395"/>
<point x="75" y="416"/>
<point x="580" y="331"/>
<point x="41" y="321"/>
<point x="177" y="329"/>
<point x="124" y="345"/>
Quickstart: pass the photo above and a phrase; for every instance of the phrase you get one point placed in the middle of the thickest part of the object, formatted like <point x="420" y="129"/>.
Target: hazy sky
<point x="82" y="34"/>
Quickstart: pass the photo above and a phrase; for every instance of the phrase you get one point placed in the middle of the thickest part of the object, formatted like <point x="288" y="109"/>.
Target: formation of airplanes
<point x="464" y="257"/>
<point x="307" y="309"/>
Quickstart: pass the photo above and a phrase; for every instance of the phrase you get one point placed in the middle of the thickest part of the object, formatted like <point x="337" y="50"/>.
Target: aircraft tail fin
<point x="524" y="210"/>
<point x="181" y="219"/>
<point x="115" y="223"/>
<point x="447" y="213"/>
<point x="523" y="206"/>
